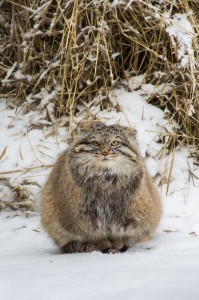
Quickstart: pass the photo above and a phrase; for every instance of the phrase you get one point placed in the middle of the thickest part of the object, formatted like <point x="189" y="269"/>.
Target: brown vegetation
<point x="76" y="49"/>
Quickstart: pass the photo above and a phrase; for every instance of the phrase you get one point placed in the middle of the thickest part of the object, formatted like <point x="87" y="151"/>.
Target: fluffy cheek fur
<point x="117" y="165"/>
<point x="83" y="147"/>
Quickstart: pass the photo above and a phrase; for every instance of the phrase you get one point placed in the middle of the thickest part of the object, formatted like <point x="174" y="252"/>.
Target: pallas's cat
<point x="99" y="195"/>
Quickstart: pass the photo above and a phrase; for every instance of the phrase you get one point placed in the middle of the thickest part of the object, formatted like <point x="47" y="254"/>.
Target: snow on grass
<point x="181" y="29"/>
<point x="27" y="151"/>
<point x="31" y="266"/>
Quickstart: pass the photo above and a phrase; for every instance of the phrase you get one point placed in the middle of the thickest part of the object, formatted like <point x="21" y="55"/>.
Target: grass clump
<point x="57" y="54"/>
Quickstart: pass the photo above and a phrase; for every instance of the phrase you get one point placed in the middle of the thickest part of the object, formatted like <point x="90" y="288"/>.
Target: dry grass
<point x="71" y="51"/>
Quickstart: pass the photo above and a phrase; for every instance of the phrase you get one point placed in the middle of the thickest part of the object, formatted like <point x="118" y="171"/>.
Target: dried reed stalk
<point x="73" y="50"/>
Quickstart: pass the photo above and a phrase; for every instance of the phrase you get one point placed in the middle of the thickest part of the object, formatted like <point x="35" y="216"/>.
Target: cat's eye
<point x="96" y="143"/>
<point x="114" y="143"/>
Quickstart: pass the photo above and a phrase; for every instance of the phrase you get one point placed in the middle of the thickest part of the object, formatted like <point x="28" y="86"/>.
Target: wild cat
<point x="99" y="195"/>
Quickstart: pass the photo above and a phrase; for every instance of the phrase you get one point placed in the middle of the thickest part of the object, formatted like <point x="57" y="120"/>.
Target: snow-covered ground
<point x="31" y="266"/>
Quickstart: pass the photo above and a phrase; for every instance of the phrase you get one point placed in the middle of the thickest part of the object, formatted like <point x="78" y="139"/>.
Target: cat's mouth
<point x="107" y="157"/>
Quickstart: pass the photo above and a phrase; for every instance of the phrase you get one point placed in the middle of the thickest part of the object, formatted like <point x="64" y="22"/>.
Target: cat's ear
<point x="131" y="132"/>
<point x="128" y="131"/>
<point x="82" y="129"/>
<point x="86" y="126"/>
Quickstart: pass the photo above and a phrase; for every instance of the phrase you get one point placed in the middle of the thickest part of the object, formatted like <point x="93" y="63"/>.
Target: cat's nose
<point x="105" y="151"/>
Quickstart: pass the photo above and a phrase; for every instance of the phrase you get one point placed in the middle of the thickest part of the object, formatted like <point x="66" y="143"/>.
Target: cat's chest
<point x="107" y="203"/>
<point x="109" y="214"/>
<point x="110" y="221"/>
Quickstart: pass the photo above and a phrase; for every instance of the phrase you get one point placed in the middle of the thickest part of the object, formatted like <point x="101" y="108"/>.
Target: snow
<point x="9" y="72"/>
<point x="165" y="268"/>
<point x="114" y="55"/>
<point x="181" y="29"/>
<point x="26" y="147"/>
<point x="31" y="266"/>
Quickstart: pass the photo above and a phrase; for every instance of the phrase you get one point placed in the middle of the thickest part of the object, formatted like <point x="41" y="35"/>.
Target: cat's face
<point x="110" y="148"/>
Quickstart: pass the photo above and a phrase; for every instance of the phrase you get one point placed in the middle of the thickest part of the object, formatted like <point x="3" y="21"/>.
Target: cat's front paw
<point x="114" y="251"/>
<point x="79" y="247"/>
